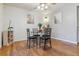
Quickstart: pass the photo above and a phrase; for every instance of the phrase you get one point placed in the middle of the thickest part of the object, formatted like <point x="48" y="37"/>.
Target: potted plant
<point x="40" y="25"/>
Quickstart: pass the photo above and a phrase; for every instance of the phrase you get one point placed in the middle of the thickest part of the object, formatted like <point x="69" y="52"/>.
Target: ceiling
<point x="33" y="6"/>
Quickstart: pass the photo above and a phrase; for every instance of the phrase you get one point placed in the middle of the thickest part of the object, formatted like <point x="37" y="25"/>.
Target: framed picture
<point x="30" y="19"/>
<point x="58" y="18"/>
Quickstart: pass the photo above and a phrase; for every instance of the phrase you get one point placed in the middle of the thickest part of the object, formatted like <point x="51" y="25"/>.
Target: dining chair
<point x="30" y="38"/>
<point x="46" y="37"/>
<point x="36" y="35"/>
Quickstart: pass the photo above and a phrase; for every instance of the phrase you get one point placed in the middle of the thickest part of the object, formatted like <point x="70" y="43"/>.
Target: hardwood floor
<point x="59" y="48"/>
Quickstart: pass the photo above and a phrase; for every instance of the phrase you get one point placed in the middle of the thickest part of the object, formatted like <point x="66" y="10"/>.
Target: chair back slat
<point x="35" y="31"/>
<point x="47" y="32"/>
<point x="28" y="32"/>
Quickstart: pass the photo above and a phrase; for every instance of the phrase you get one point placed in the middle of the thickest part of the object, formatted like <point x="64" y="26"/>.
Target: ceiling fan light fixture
<point x="42" y="5"/>
<point x="38" y="7"/>
<point x="42" y="8"/>
<point x="46" y="7"/>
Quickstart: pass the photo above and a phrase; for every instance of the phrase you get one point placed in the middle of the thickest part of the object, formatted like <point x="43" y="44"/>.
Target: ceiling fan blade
<point x="53" y="3"/>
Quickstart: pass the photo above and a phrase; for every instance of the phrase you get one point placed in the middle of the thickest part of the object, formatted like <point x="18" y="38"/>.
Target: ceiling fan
<point x="44" y="6"/>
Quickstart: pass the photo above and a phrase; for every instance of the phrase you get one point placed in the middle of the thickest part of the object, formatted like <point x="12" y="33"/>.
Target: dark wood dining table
<point x="41" y="36"/>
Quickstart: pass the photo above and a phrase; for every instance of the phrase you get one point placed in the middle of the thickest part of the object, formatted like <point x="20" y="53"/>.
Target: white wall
<point x="67" y="30"/>
<point x="18" y="17"/>
<point x="1" y="6"/>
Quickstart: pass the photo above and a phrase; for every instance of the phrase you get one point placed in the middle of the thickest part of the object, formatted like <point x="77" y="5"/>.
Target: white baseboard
<point x="19" y="40"/>
<point x="65" y="40"/>
<point x="53" y="38"/>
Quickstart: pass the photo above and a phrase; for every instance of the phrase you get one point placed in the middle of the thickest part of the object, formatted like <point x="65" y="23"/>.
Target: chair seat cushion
<point x="31" y="37"/>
